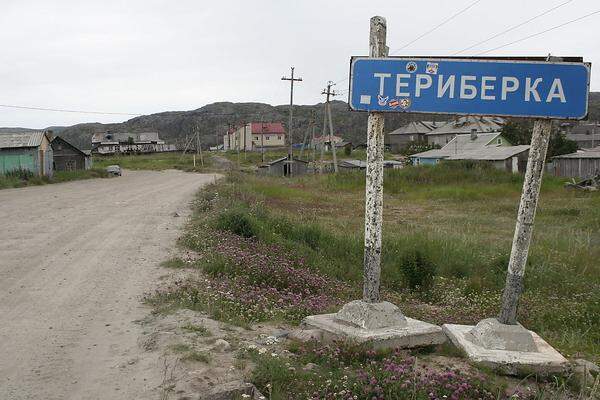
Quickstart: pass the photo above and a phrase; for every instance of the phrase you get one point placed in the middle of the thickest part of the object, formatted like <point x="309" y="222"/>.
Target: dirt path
<point x="75" y="259"/>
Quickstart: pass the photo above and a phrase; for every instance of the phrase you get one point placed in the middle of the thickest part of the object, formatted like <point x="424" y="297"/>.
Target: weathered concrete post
<point x="370" y="320"/>
<point x="525" y="218"/>
<point x="374" y="180"/>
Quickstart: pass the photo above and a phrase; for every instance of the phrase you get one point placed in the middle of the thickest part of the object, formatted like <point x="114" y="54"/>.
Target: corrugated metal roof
<point x="21" y="139"/>
<point x="326" y="139"/>
<point x="352" y="164"/>
<point x="461" y="144"/>
<point x="417" y="127"/>
<point x="582" y="137"/>
<point x="490" y="153"/>
<point x="590" y="153"/>
<point x="267" y="127"/>
<point x="466" y="124"/>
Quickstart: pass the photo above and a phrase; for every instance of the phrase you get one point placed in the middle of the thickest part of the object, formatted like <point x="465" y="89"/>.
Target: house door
<point x="42" y="163"/>
<point x="286" y="169"/>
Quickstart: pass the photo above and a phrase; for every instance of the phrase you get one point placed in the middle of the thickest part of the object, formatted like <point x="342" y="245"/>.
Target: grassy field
<point x="22" y="179"/>
<point x="158" y="161"/>
<point x="275" y="249"/>
<point x="462" y="222"/>
<point x="253" y="158"/>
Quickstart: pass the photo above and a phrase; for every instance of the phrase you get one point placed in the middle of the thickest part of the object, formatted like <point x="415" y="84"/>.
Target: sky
<point x="148" y="56"/>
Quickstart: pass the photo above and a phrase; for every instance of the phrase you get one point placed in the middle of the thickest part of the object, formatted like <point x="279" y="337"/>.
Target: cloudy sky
<point x="146" y="56"/>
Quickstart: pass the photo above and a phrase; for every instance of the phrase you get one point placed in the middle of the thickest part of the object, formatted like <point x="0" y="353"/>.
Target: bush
<point x="238" y="222"/>
<point x="418" y="270"/>
<point x="22" y="174"/>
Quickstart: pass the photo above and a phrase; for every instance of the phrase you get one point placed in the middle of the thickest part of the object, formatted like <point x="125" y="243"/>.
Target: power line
<point x="67" y="111"/>
<point x="512" y="28"/>
<point x="540" y="33"/>
<point x="444" y="22"/>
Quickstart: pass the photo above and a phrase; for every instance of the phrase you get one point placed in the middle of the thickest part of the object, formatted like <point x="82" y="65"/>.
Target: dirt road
<point x="75" y="260"/>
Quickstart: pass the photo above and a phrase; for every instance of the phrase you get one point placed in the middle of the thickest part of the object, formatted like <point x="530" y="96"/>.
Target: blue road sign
<point x="537" y="89"/>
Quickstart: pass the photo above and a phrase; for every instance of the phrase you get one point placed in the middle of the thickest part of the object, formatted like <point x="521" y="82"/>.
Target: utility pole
<point x="245" y="126"/>
<point x="374" y="178"/>
<point x="312" y="142"/>
<point x="329" y="94"/>
<point x="305" y="137"/>
<point x="199" y="145"/>
<point x="262" y="139"/>
<point x="321" y="162"/>
<point x="292" y="79"/>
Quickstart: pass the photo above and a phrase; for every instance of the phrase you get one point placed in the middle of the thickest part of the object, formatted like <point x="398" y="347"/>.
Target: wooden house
<point x="67" y="157"/>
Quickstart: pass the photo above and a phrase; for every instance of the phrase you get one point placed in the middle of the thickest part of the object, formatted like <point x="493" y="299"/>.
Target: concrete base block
<point x="543" y="360"/>
<point x="371" y="315"/>
<point x="413" y="333"/>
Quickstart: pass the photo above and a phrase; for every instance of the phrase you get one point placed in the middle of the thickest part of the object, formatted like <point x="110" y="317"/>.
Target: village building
<point x="490" y="147"/>
<point x="68" y="157"/>
<point x="326" y="141"/>
<point x="283" y="166"/>
<point x="412" y="133"/>
<point x="461" y="126"/>
<point x="106" y="143"/>
<point x="255" y="135"/>
<point x="362" y="165"/>
<point x="581" y="164"/>
<point x="507" y="158"/>
<point x="586" y="135"/>
<point x="26" y="151"/>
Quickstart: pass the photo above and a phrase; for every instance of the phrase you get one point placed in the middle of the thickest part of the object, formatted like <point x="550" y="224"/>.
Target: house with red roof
<point x="254" y="136"/>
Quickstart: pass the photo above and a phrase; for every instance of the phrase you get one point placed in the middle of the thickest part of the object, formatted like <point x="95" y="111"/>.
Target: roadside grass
<point x="197" y="329"/>
<point x="459" y="218"/>
<point x="22" y="180"/>
<point x="157" y="162"/>
<point x="275" y="250"/>
<point x="342" y="370"/>
<point x="189" y="354"/>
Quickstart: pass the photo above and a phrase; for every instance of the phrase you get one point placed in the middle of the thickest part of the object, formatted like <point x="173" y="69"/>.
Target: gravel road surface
<point x="75" y="260"/>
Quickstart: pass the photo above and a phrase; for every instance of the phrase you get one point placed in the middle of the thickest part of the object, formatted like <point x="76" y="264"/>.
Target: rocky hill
<point x="212" y="121"/>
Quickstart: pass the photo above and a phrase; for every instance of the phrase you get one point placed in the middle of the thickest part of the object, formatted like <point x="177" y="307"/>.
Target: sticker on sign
<point x="515" y="88"/>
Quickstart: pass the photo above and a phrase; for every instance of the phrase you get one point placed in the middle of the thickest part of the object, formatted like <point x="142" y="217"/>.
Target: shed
<point x="30" y="151"/>
<point x="461" y="126"/>
<point x="413" y="132"/>
<point x="282" y="167"/>
<point x="360" y="164"/>
<point x="68" y="157"/>
<point x="581" y="164"/>
<point x="460" y="144"/>
<point x="508" y="158"/>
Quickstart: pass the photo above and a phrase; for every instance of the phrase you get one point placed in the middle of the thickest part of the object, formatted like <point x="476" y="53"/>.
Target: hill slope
<point x="213" y="119"/>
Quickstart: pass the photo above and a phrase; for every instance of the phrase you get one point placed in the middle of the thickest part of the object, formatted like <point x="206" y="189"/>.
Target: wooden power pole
<point x="292" y="79"/>
<point x="329" y="94"/>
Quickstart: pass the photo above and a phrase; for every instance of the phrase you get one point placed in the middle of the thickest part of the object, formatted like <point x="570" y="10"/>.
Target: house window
<point x="417" y="161"/>
<point x="437" y="161"/>
<point x="256" y="137"/>
<point x="268" y="137"/>
<point x="279" y="137"/>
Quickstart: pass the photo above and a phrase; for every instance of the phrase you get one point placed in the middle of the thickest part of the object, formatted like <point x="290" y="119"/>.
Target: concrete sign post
<point x="526" y="87"/>
<point x="374" y="180"/>
<point x="370" y="320"/>
<point x="525" y="218"/>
